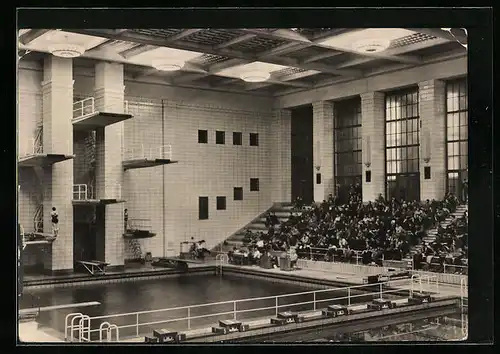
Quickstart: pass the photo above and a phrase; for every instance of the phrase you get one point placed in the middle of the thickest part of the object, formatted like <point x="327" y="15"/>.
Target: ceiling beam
<point x="257" y="86"/>
<point x="316" y="43"/>
<point x="240" y="39"/>
<point x="279" y="34"/>
<point x="397" y="51"/>
<point x="439" y="33"/>
<point x="200" y="48"/>
<point x="183" y="34"/>
<point x="100" y="45"/>
<point x="31" y="35"/>
<point x="132" y="52"/>
<point x="326" y="55"/>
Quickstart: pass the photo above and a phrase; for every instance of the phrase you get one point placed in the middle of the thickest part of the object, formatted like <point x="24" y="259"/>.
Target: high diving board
<point x="94" y="267"/>
<point x="38" y="238"/>
<point x="141" y="156"/>
<point x="98" y="120"/>
<point x="145" y="163"/>
<point x="96" y="201"/>
<point x="42" y="160"/>
<point x="86" y="117"/>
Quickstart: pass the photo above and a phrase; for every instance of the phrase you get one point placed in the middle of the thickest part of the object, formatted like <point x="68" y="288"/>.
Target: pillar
<point x="432" y="105"/>
<point x="323" y="147"/>
<point x="281" y="167"/>
<point x="57" y="88"/>
<point x="109" y="97"/>
<point x="373" y="144"/>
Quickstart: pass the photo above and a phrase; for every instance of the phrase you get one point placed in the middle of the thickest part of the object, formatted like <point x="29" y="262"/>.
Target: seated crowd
<point x="383" y="229"/>
<point x="449" y="249"/>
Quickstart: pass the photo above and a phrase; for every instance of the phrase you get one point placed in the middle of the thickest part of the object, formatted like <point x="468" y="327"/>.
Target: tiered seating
<point x="256" y="226"/>
<point x="380" y="227"/>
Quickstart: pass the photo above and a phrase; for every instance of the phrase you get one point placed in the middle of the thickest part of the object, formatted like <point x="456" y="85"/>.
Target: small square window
<point x="221" y="203"/>
<point x="203" y="136"/>
<point x="237" y="138"/>
<point x="254" y="184"/>
<point x="238" y="193"/>
<point x="318" y="178"/>
<point x="254" y="139"/>
<point x="220" y="137"/>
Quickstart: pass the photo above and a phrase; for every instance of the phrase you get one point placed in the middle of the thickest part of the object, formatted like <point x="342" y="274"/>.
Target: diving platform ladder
<point x="220" y="260"/>
<point x="77" y="328"/>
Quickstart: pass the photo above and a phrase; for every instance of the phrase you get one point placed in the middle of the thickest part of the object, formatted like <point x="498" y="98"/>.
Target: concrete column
<point x="432" y="98"/>
<point x="57" y="89"/>
<point x="323" y="147"/>
<point x="373" y="138"/>
<point x="282" y="157"/>
<point x="109" y="97"/>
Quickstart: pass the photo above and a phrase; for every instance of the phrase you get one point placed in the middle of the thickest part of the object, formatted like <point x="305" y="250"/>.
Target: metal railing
<point x="86" y="107"/>
<point x="145" y="153"/>
<point x="220" y="260"/>
<point x="80" y="192"/>
<point x="107" y="328"/>
<point x="318" y="254"/>
<point x="139" y="224"/>
<point x="30" y="147"/>
<point x="235" y="308"/>
<point x="84" y="192"/>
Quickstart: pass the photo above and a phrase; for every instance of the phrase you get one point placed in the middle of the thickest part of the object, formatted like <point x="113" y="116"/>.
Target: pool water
<point x="126" y="297"/>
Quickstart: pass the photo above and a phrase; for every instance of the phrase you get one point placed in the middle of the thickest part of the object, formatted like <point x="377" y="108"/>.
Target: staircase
<point x="282" y="211"/>
<point x="432" y="233"/>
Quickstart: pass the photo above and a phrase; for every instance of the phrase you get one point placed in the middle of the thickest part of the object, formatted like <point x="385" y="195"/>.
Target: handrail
<point x="74" y="315"/>
<point x="139" y="224"/>
<point x="382" y="289"/>
<point x="80" y="192"/>
<point x="31" y="148"/>
<point x="148" y="153"/>
<point x="83" y="108"/>
<point x="87" y="107"/>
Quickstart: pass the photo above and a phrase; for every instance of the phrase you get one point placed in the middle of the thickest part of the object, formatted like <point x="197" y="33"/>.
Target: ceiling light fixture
<point x="371" y="45"/>
<point x="66" y="50"/>
<point x="255" y="76"/>
<point x="168" y="64"/>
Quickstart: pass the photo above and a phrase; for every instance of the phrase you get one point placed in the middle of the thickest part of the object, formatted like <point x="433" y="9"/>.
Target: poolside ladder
<point x="220" y="260"/>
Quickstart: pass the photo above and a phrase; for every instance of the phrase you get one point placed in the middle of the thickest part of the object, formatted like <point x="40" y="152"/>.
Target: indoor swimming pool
<point x="140" y="298"/>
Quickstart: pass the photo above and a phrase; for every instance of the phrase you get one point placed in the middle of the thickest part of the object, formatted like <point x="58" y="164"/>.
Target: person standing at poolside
<point x="54" y="216"/>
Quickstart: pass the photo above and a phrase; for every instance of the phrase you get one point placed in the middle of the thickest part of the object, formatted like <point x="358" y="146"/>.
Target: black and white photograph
<point x="243" y="185"/>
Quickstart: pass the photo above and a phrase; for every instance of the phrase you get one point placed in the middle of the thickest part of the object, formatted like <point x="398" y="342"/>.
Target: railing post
<point x="277" y="306"/>
<point x="381" y="287"/>
<point x="137" y="324"/>
<point x="234" y="310"/>
<point x="348" y="296"/>
<point x="189" y="317"/>
<point x="314" y="301"/>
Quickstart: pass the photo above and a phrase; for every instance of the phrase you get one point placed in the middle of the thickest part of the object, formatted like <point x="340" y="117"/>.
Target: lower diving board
<point x="94" y="267"/>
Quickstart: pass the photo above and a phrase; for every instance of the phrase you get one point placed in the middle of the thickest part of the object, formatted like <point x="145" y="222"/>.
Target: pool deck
<point x="29" y="331"/>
